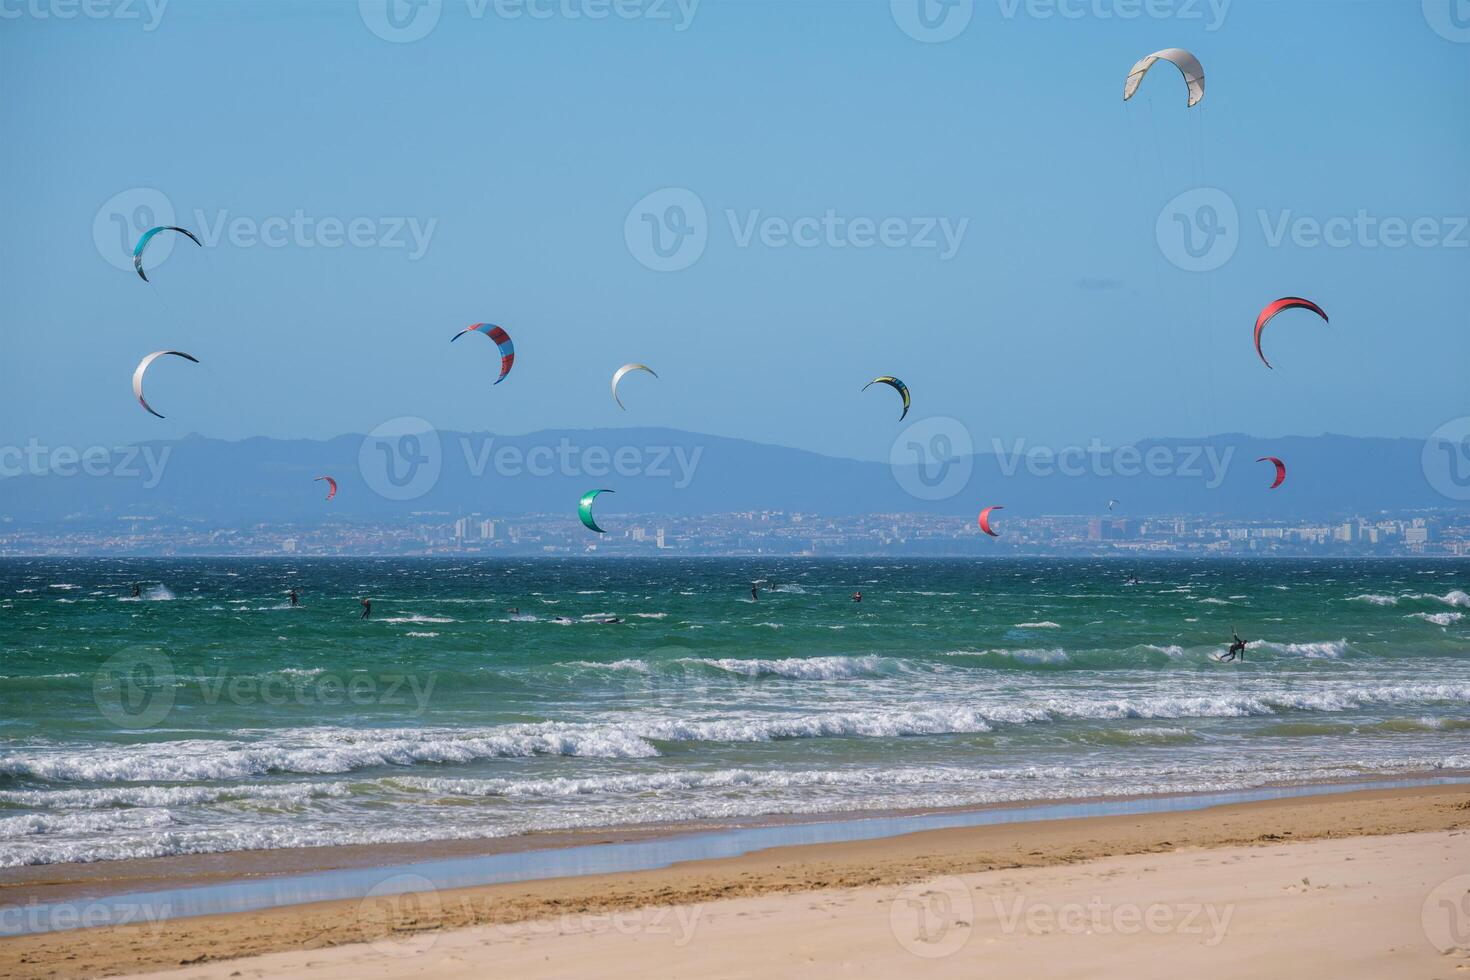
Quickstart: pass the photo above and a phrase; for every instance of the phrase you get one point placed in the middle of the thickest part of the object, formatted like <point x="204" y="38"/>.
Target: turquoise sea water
<point x="209" y="715"/>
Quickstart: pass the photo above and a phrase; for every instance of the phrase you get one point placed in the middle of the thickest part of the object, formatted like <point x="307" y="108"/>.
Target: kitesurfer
<point x="1237" y="648"/>
<point x="857" y="597"/>
<point x="137" y="591"/>
<point x="367" y="609"/>
<point x="755" y="593"/>
<point x="295" y="599"/>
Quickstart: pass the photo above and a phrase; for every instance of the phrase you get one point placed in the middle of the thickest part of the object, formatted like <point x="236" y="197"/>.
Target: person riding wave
<point x="1237" y="648"/>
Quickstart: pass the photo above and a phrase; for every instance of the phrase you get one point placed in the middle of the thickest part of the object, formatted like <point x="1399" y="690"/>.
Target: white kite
<point x="143" y="366"/>
<point x="618" y="376"/>
<point x="1188" y="65"/>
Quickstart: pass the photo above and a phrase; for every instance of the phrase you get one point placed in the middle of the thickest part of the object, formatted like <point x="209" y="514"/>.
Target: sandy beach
<point x="1369" y="883"/>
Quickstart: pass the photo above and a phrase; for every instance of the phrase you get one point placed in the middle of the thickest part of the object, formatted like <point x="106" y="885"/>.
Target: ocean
<point x="492" y="698"/>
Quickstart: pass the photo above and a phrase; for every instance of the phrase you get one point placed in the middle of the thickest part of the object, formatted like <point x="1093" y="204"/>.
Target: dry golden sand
<point x="1333" y="906"/>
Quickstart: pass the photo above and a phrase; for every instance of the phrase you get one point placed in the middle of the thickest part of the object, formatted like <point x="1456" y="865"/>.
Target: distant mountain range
<point x="665" y="471"/>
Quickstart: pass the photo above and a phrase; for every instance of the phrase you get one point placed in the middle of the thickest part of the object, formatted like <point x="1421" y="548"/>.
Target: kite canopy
<point x="985" y="520"/>
<point x="1188" y="65"/>
<point x="618" y="376"/>
<point x="584" y="510"/>
<point x="143" y="367"/>
<point x="331" y="485"/>
<point x="897" y="386"/>
<point x="1281" y="305"/>
<point x="1280" y="470"/>
<point x="1112" y="504"/>
<point x="148" y="237"/>
<point x="502" y="340"/>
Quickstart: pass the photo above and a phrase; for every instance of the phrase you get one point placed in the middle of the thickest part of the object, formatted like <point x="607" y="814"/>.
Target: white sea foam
<point x="799" y="668"/>
<point x="1330" y="649"/>
<point x="1440" y="618"/>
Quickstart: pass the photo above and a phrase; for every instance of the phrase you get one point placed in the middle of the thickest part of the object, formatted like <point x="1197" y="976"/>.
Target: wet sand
<point x="1418" y="830"/>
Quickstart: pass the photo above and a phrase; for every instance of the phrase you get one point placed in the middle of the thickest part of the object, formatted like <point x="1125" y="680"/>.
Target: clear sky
<point x="520" y="147"/>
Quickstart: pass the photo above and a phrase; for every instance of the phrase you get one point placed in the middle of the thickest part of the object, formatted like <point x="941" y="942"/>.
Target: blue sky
<point x="519" y="149"/>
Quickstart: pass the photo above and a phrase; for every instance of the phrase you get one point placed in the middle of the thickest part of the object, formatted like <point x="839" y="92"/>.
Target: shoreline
<point x="100" y="880"/>
<point x="401" y="913"/>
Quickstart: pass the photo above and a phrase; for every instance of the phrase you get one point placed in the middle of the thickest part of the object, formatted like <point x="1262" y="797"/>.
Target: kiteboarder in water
<point x="367" y="609"/>
<point x="1237" y="648"/>
<point x="857" y="597"/>
<point x="295" y="599"/>
<point x="755" y="593"/>
<point x="137" y="592"/>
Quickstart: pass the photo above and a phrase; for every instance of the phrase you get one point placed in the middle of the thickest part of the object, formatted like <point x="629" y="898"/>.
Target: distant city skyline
<point x="755" y="533"/>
